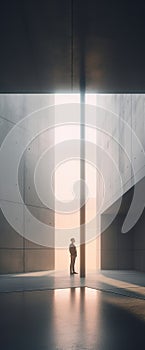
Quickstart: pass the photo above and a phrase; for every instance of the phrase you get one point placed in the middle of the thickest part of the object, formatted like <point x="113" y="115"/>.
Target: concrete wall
<point x="139" y="244"/>
<point x="18" y="253"/>
<point x="139" y="239"/>
<point x="120" y="122"/>
<point x="120" y="144"/>
<point x="118" y="250"/>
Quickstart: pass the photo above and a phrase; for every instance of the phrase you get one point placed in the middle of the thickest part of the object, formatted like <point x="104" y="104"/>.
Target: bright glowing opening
<point x="66" y="175"/>
<point x="67" y="184"/>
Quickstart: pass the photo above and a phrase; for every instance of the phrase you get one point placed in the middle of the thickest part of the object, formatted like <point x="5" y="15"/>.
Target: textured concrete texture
<point x="117" y="250"/>
<point x="17" y="252"/>
<point x="139" y="243"/>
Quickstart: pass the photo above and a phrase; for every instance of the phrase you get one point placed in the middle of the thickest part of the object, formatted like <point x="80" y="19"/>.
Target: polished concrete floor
<point x="71" y="318"/>
<point x="53" y="311"/>
<point x="127" y="283"/>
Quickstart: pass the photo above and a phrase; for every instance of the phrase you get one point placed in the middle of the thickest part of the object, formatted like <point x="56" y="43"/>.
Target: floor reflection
<point x="72" y="318"/>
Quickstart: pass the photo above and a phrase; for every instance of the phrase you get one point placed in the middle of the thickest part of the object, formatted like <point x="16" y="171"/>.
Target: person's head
<point x="72" y="240"/>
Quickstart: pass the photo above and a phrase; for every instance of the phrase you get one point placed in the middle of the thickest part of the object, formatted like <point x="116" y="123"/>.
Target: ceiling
<point x="69" y="45"/>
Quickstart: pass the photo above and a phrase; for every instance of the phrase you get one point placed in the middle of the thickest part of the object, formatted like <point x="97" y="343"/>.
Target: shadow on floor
<point x="132" y="276"/>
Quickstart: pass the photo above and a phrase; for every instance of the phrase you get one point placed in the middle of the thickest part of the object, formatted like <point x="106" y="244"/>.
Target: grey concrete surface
<point x="123" y="251"/>
<point x="118" y="249"/>
<point x="71" y="319"/>
<point x="127" y="283"/>
<point x="17" y="253"/>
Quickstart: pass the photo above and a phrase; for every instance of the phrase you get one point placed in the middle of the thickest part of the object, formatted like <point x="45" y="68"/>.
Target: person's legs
<point x="72" y="263"/>
<point x="74" y="258"/>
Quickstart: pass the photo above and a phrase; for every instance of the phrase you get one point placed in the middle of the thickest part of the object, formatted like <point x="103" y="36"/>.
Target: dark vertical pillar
<point x="78" y="27"/>
<point x="82" y="191"/>
<point x="24" y="199"/>
<point x="82" y="147"/>
<point x="72" y="45"/>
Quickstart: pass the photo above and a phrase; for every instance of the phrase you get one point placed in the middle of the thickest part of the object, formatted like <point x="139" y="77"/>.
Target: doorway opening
<point x="67" y="188"/>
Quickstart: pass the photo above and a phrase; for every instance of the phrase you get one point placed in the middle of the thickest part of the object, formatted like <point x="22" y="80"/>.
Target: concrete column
<point x="82" y="192"/>
<point x="82" y="77"/>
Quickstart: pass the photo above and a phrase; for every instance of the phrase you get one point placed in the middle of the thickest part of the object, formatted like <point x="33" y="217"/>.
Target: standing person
<point x="73" y="255"/>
